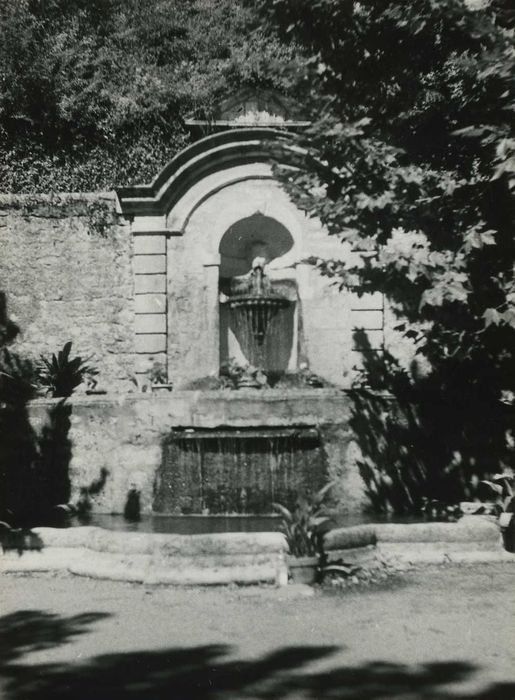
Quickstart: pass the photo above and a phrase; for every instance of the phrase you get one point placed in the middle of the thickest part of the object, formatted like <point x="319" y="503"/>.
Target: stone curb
<point x="245" y="558"/>
<point x="144" y="568"/>
<point x="469" y="529"/>
<point x="101" y="540"/>
<point x="473" y="539"/>
<point x="402" y="554"/>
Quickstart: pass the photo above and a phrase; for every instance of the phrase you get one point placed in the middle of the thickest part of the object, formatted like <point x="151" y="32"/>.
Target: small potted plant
<point x="304" y="527"/>
<point x="500" y="500"/>
<point x="159" y="378"/>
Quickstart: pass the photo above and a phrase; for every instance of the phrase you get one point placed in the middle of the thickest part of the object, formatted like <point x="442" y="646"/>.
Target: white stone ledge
<point x="470" y="533"/>
<point x="155" y="558"/>
<point x="143" y="568"/>
<point x="101" y="540"/>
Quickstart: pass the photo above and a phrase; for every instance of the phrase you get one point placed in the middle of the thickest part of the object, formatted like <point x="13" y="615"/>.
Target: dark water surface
<point x="205" y="524"/>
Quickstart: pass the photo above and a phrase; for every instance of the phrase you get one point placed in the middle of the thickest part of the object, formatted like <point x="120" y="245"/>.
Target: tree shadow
<point x="55" y="452"/>
<point x="424" y="438"/>
<point x="33" y="468"/>
<point x="84" y="505"/>
<point x="27" y="631"/>
<point x="8" y="329"/>
<point x="212" y="672"/>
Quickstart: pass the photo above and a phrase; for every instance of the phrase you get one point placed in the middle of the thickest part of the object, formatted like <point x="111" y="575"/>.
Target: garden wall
<point x="65" y="268"/>
<point x="124" y="436"/>
<point x="72" y="268"/>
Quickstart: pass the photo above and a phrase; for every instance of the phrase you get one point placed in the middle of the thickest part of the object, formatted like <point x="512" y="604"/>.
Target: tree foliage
<point x="411" y="161"/>
<point x="94" y="92"/>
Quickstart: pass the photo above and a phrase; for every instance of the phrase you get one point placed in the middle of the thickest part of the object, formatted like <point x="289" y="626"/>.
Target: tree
<point x="94" y="93"/>
<point x="411" y="161"/>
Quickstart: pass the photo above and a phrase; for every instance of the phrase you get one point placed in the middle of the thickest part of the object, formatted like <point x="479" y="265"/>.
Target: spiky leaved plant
<point x="304" y="525"/>
<point x="61" y="375"/>
<point x="498" y="491"/>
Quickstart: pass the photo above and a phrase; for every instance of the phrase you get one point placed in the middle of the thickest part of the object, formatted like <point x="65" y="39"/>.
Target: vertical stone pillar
<point x="212" y="315"/>
<point x="149" y="265"/>
<point x="302" y="275"/>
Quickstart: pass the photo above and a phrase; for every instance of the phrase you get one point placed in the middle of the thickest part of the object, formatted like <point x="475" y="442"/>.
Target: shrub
<point x="61" y="375"/>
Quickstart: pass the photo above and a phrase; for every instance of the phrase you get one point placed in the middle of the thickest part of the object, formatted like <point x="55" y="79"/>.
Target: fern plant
<point x="305" y="524"/>
<point x="61" y="375"/>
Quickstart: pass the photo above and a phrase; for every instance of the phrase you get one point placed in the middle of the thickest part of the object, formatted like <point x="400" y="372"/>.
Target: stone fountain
<point x="253" y="310"/>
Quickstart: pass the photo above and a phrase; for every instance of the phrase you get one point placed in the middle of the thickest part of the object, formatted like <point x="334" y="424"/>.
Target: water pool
<point x="205" y="524"/>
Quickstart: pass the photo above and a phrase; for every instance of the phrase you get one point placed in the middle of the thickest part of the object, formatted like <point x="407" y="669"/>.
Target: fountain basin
<point x="472" y="539"/>
<point x="244" y="558"/>
<point x="128" y="435"/>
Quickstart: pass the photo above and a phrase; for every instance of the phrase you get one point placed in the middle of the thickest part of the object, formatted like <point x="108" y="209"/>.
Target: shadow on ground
<point x="209" y="672"/>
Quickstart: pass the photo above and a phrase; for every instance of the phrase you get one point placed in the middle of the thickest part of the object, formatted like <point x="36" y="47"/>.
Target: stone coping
<point x="235" y="557"/>
<point x="8" y="199"/>
<point x="194" y="395"/>
<point x="473" y="539"/>
<point x="214" y="409"/>
<point x="246" y="558"/>
<point x="469" y="529"/>
<point x="102" y="540"/>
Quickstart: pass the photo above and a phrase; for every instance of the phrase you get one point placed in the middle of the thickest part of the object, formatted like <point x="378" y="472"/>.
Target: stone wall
<point x="125" y="436"/>
<point x="129" y="293"/>
<point x="65" y="268"/>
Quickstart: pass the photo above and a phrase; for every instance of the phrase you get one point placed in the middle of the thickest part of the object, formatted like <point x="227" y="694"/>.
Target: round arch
<point x="255" y="235"/>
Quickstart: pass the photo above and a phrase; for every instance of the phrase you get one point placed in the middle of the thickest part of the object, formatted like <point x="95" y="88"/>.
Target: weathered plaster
<point x="125" y="436"/>
<point x="65" y="267"/>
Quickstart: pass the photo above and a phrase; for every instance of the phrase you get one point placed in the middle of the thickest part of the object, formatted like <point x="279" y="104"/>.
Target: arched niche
<point x="262" y="331"/>
<point x="178" y="225"/>
<point x="249" y="237"/>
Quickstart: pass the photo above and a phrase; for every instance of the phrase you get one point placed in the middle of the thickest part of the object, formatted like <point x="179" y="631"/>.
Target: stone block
<point x="366" y="301"/>
<point x="150" y="303"/>
<point x="375" y="340"/>
<point x="145" y="362"/>
<point x="465" y="530"/>
<point x="164" y="545"/>
<point x="149" y="225"/>
<point x="150" y="343"/>
<point x="360" y="360"/>
<point x="150" y="323"/>
<point x="149" y="264"/>
<point x="367" y="319"/>
<point x="148" y="284"/>
<point x="350" y="537"/>
<point x="149" y="245"/>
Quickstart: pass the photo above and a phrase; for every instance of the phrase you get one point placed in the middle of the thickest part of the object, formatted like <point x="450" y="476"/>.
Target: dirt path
<point x="442" y="632"/>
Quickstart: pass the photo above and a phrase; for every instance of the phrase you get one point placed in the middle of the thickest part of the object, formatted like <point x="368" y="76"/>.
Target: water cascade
<point x="229" y="471"/>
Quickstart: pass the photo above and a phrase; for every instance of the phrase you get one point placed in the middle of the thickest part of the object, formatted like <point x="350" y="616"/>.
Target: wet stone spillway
<point x="237" y="471"/>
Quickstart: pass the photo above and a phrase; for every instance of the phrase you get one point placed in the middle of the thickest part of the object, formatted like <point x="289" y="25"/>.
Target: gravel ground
<point x="438" y="632"/>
